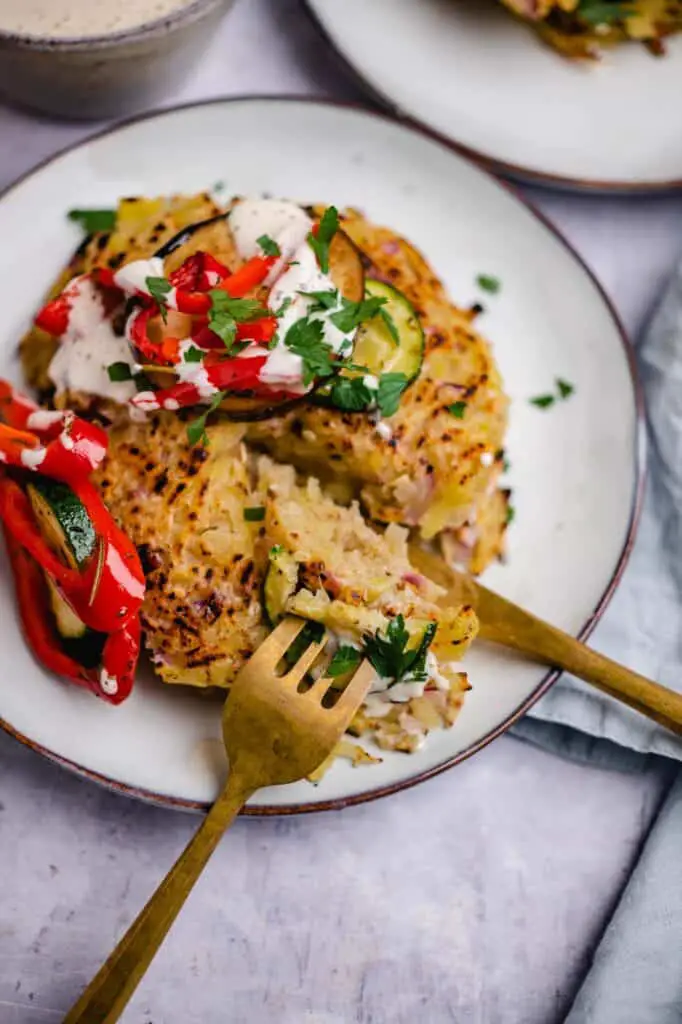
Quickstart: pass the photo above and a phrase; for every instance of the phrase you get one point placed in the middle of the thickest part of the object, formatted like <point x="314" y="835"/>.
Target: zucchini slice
<point x="67" y="528"/>
<point x="280" y="583"/>
<point x="376" y="348"/>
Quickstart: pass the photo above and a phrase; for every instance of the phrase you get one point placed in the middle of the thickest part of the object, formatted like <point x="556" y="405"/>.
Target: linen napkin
<point x="636" y="973"/>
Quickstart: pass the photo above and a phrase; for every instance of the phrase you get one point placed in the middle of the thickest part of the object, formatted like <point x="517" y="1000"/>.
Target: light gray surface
<point x="475" y="898"/>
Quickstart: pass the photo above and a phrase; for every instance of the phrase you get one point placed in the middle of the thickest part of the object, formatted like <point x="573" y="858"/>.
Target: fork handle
<point x="108" y="993"/>
<point x="506" y="623"/>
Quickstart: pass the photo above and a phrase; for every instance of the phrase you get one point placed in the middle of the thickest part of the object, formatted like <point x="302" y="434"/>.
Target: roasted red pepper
<point x="57" y="444"/>
<point x="236" y="285"/>
<point x="227" y="375"/>
<point x="113" y="681"/>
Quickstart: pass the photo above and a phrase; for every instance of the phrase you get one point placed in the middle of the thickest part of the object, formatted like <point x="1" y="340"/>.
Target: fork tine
<point x="305" y="662"/>
<point x="355" y="692"/>
<point x="275" y="646"/>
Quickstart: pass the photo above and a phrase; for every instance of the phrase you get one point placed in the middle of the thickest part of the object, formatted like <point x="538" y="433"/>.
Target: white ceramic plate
<point x="574" y="467"/>
<point x="470" y="71"/>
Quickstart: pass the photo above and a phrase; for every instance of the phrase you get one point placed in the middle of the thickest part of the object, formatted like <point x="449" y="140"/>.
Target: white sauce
<point x="88" y="347"/>
<point x="80" y="18"/>
<point x="382" y="692"/>
<point x="289" y="226"/>
<point x="371" y="382"/>
<point x="132" y="277"/>
<point x="487" y="459"/>
<point x="43" y="419"/>
<point x="109" y="684"/>
<point x="193" y="373"/>
<point x="384" y="430"/>
<point x="33" y="457"/>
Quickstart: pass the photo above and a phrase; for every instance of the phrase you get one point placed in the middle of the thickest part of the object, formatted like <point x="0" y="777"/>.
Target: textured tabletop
<point x="475" y="898"/>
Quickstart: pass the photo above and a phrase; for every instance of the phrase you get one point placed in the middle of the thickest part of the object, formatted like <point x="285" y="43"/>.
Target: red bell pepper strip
<point x="229" y="375"/>
<point x="199" y="273"/>
<point x="236" y="285"/>
<point x="58" y="444"/>
<point x="260" y="331"/>
<point x="111" y="588"/>
<point x="120" y="652"/>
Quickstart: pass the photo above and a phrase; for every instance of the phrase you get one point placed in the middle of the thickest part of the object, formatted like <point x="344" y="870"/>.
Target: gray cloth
<point x="636" y="974"/>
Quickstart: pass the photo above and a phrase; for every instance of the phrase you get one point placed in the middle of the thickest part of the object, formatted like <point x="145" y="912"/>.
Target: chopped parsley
<point x="391" y="387"/>
<point x="390" y="656"/>
<point x="226" y="313"/>
<point x="269" y="246"/>
<point x="158" y="289"/>
<point x="352" y="314"/>
<point x="305" y="338"/>
<point x="119" y="372"/>
<point x="254" y="514"/>
<point x="275" y="550"/>
<point x="345" y="659"/>
<point x="281" y="310"/>
<point x="322" y="300"/>
<point x="511" y="512"/>
<point x="543" y="401"/>
<point x="458" y="409"/>
<point x="488" y="283"/>
<point x="93" y="221"/>
<point x="193" y="355"/>
<point x="350" y="394"/>
<point x="196" y="430"/>
<point x="598" y="12"/>
<point x="321" y="240"/>
<point x="389" y="323"/>
<point x="219" y="186"/>
<point x="564" y="391"/>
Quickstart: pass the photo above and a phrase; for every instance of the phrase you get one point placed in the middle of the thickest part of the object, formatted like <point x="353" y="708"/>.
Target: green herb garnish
<point x="458" y="409"/>
<point x="350" y="394"/>
<point x="322" y="300"/>
<point x="598" y="12"/>
<point x="93" y="221"/>
<point x="319" y="242"/>
<point x="119" y="372"/>
<point x="193" y="355"/>
<point x="352" y="314"/>
<point x="196" y="430"/>
<point x="390" y="656"/>
<point x="345" y="660"/>
<point x="269" y="246"/>
<point x="511" y="512"/>
<point x="254" y="514"/>
<point x="305" y="338"/>
<point x="158" y="289"/>
<point x="489" y="283"/>
<point x="275" y="550"/>
<point x="565" y="389"/>
<point x="226" y="313"/>
<point x="391" y="387"/>
<point x="389" y="323"/>
<point x="542" y="401"/>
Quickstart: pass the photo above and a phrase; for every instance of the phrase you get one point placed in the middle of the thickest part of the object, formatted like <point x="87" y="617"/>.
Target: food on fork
<point x="285" y="394"/>
<point x="581" y="28"/>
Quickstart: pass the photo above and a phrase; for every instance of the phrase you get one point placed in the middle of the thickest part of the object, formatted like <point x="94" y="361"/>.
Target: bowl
<point x="110" y="75"/>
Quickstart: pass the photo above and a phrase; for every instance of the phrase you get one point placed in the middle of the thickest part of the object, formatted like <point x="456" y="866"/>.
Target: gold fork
<point x="273" y="735"/>
<point x="505" y="623"/>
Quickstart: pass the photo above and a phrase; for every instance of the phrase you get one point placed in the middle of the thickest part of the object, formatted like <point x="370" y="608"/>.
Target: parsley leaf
<point x="119" y="371"/>
<point x="193" y="355"/>
<point x="275" y="550"/>
<point x="254" y="514"/>
<point x="391" y="387"/>
<point x="269" y="246"/>
<point x="94" y="220"/>
<point x="350" y="394"/>
<point x="511" y="513"/>
<point x="597" y="12"/>
<point x="196" y="430"/>
<point x="489" y="283"/>
<point x="345" y="659"/>
<point x="542" y="401"/>
<point x="390" y="656"/>
<point x="319" y="242"/>
<point x="389" y="323"/>
<point x="322" y="300"/>
<point x="352" y="314"/>
<point x="305" y="338"/>
<point x="158" y="289"/>
<point x="311" y="633"/>
<point x="458" y="409"/>
<point x="565" y="389"/>
<point x="226" y="312"/>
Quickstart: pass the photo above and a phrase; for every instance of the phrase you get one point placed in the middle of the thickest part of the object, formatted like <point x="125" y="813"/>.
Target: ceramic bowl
<point x="107" y="75"/>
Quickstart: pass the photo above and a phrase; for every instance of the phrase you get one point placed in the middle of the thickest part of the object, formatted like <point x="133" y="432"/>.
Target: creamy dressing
<point x="487" y="459"/>
<point x="384" y="430"/>
<point x="32" y="458"/>
<point x="88" y="347"/>
<point x="109" y="684"/>
<point x="81" y="18"/>
<point x="132" y="277"/>
<point x="382" y="692"/>
<point x="296" y="271"/>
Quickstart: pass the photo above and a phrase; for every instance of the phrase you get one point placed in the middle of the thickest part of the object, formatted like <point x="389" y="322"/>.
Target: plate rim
<point x="339" y="803"/>
<point x="486" y="160"/>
